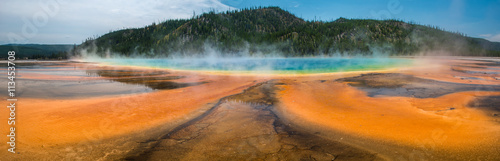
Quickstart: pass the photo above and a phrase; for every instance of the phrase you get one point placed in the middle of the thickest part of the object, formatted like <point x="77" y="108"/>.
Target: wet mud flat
<point x="396" y="84"/>
<point x="89" y="81"/>
<point x="489" y="104"/>
<point x="156" y="80"/>
<point x="480" y="69"/>
<point x="244" y="127"/>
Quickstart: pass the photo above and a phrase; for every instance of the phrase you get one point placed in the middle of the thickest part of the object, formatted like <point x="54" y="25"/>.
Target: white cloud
<point x="91" y="17"/>
<point x="491" y="37"/>
<point x="495" y="38"/>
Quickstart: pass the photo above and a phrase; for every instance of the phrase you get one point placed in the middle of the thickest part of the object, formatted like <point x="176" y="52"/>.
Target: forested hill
<point x="273" y="30"/>
<point x="37" y="51"/>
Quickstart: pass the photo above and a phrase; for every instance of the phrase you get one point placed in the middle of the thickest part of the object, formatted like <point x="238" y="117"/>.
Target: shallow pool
<point x="266" y="65"/>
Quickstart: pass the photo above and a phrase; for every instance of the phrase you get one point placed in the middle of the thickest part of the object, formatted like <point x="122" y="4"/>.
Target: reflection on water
<point x="110" y="73"/>
<point x="110" y="81"/>
<point x="151" y="79"/>
<point x="50" y="89"/>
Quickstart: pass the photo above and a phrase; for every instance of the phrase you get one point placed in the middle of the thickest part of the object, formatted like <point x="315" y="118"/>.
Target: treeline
<point x="271" y="29"/>
<point x="37" y="51"/>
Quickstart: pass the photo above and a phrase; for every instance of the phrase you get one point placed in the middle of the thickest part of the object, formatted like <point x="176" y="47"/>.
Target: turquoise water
<point x="266" y="65"/>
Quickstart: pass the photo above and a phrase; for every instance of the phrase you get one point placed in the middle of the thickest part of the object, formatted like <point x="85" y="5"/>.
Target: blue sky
<point x="476" y="18"/>
<point x="68" y="22"/>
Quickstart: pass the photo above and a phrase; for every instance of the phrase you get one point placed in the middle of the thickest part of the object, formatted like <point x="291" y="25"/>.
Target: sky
<point x="73" y="21"/>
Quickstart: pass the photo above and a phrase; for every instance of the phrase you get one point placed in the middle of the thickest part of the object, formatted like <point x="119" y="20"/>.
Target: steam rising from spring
<point x="257" y="63"/>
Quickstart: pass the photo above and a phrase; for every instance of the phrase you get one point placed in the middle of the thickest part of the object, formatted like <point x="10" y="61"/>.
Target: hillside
<point x="273" y="30"/>
<point x="36" y="51"/>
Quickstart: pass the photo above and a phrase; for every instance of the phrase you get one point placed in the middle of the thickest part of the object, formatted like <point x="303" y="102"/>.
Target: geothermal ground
<point x="437" y="109"/>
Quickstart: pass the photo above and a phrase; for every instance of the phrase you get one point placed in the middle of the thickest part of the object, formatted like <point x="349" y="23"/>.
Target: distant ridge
<point x="37" y="51"/>
<point x="267" y="30"/>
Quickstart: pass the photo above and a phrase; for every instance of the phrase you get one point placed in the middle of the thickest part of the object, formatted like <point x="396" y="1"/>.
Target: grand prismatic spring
<point x="412" y="108"/>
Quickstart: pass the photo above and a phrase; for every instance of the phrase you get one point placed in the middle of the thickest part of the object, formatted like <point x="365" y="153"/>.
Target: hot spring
<point x="264" y="65"/>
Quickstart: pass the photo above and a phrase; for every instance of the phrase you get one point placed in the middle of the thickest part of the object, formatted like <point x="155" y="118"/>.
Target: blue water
<point x="266" y="65"/>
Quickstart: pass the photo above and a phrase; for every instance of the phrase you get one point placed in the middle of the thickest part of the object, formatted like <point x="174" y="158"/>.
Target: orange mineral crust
<point x="401" y="120"/>
<point x="57" y="121"/>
